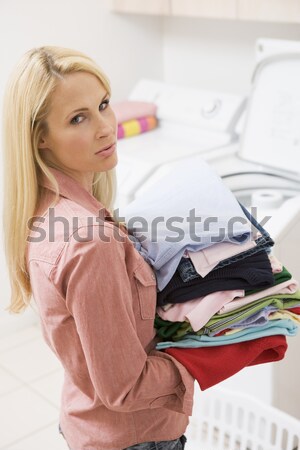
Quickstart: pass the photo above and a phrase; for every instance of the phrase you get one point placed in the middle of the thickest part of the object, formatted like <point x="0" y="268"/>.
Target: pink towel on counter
<point x="129" y="110"/>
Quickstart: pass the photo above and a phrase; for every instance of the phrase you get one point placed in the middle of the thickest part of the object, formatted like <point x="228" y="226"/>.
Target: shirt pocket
<point x="145" y="282"/>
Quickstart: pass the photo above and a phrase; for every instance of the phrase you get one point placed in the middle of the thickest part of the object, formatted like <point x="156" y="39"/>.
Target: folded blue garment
<point x="189" y="209"/>
<point x="285" y="327"/>
<point x="186" y="268"/>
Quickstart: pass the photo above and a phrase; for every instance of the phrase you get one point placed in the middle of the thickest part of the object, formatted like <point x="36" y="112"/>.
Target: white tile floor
<point x="30" y="384"/>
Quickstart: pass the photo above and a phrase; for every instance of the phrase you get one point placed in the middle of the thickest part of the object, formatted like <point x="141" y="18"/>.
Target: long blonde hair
<point x="26" y="105"/>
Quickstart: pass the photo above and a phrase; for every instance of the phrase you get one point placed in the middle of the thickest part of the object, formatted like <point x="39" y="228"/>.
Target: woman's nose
<point x="105" y="127"/>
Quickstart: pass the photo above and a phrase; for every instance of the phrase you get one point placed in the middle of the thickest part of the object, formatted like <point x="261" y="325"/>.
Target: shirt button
<point x="153" y="276"/>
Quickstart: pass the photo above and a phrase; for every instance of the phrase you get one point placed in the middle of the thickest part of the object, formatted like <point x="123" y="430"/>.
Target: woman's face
<point x="81" y="126"/>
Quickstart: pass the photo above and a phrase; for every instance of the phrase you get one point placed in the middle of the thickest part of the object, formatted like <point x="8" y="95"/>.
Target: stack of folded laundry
<point x="134" y="117"/>
<point x="240" y="325"/>
<point x="224" y="302"/>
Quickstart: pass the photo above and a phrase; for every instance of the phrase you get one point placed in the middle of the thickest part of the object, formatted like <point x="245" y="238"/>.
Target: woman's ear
<point x="43" y="143"/>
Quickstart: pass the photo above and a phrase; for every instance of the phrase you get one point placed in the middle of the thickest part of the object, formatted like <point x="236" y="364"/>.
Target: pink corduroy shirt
<point x="96" y="298"/>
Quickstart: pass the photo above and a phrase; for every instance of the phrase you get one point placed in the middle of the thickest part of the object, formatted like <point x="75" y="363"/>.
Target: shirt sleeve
<point x="99" y="297"/>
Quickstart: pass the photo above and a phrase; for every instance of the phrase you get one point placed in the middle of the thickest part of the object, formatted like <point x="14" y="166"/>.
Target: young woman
<point x="95" y="294"/>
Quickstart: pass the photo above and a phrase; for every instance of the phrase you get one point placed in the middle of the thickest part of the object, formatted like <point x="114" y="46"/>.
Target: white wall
<point x="216" y="54"/>
<point x="212" y="54"/>
<point x="127" y="48"/>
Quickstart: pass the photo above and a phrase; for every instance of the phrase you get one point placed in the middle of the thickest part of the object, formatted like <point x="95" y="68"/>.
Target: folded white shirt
<point x="194" y="199"/>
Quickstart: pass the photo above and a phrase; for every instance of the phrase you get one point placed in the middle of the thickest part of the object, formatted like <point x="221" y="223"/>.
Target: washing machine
<point x="264" y="173"/>
<point x="262" y="169"/>
<point x="191" y="122"/>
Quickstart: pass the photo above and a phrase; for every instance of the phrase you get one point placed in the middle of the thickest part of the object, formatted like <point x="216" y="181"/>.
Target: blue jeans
<point x="176" y="444"/>
<point x="188" y="272"/>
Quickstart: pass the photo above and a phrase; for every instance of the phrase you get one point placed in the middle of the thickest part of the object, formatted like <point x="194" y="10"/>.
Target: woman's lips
<point x="108" y="151"/>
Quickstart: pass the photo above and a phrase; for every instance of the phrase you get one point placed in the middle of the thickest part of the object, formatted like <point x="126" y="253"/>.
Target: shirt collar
<point x="72" y="189"/>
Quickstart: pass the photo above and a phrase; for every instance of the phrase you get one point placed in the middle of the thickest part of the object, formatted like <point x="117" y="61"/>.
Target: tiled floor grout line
<point x="12" y="391"/>
<point x="19" y="345"/>
<point x="32" y="389"/>
<point x="34" y="380"/>
<point x="9" y="374"/>
<point x="28" y="384"/>
<point x="42" y="396"/>
<point x="29" y="435"/>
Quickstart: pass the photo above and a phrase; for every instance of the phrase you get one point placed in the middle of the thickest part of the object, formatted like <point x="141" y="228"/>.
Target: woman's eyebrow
<point x="84" y="108"/>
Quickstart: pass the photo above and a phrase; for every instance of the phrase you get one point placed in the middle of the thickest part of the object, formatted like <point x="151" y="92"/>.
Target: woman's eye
<point x="77" y="119"/>
<point x="104" y="104"/>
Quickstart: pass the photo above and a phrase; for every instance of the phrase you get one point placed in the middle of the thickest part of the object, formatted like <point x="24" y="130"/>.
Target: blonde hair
<point x="26" y="105"/>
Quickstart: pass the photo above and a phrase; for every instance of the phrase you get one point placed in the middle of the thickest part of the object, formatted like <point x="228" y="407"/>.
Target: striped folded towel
<point x="136" y="126"/>
<point x="134" y="117"/>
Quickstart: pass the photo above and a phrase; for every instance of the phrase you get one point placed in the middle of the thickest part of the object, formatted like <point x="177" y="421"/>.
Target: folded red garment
<point x="211" y="365"/>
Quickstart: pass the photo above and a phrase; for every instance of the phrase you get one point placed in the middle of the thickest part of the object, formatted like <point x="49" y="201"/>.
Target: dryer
<point x="191" y="122"/>
<point x="262" y="169"/>
<point x="264" y="172"/>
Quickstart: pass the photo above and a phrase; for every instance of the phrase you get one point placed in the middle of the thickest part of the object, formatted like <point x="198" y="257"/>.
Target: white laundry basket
<point x="228" y="420"/>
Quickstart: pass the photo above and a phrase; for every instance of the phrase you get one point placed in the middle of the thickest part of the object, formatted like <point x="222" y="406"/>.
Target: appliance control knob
<point x="210" y="109"/>
<point x="267" y="198"/>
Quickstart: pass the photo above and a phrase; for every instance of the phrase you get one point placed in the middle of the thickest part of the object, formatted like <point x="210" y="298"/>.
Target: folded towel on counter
<point x="210" y="366"/>
<point x="127" y="110"/>
<point x="136" y="126"/>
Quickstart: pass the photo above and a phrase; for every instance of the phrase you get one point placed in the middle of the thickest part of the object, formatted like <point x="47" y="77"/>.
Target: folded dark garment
<point x="211" y="365"/>
<point x="265" y="242"/>
<point x="253" y="272"/>
<point x="188" y="272"/>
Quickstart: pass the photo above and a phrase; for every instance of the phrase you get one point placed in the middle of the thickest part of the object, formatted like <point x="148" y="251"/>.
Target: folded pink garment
<point x="128" y="110"/>
<point x="275" y="264"/>
<point x="205" y="260"/>
<point x="211" y="365"/>
<point x="200" y="310"/>
<point x="286" y="287"/>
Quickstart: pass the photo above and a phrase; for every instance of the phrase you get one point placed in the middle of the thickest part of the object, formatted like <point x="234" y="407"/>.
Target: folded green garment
<point x="284" y="327"/>
<point x="176" y="330"/>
